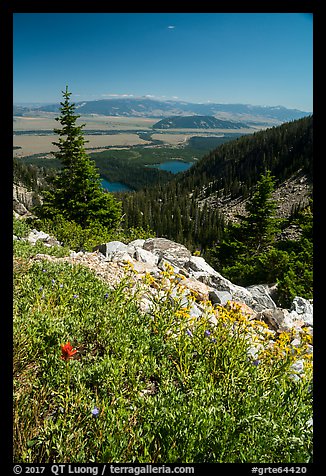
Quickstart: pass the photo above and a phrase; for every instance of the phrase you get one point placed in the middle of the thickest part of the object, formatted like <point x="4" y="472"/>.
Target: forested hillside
<point x="197" y="122"/>
<point x="230" y="171"/>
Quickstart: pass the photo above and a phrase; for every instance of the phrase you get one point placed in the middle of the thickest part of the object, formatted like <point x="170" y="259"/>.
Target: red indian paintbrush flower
<point x="67" y="352"/>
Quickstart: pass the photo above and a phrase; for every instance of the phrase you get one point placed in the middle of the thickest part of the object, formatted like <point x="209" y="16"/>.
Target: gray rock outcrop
<point x="303" y="308"/>
<point x="24" y="200"/>
<point x="34" y="236"/>
<point x="156" y="254"/>
<point x="110" y="250"/>
<point x="261" y="295"/>
<point x="175" y="253"/>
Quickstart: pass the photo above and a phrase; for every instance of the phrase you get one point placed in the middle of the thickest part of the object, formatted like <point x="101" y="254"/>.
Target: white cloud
<point x="113" y="95"/>
<point x="171" y="27"/>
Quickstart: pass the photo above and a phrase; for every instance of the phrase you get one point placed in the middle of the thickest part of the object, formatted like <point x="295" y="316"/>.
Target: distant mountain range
<point x="196" y="122"/>
<point x="144" y="107"/>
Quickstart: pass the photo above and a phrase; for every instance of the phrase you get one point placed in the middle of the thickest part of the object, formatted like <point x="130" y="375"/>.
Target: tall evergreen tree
<point x="243" y="242"/>
<point x="260" y="225"/>
<point x="77" y="194"/>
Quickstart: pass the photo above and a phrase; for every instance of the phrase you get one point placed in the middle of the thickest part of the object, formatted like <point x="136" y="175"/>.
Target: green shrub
<point x="133" y="233"/>
<point x="20" y="227"/>
<point x="77" y="238"/>
<point x="24" y="249"/>
<point x="296" y="281"/>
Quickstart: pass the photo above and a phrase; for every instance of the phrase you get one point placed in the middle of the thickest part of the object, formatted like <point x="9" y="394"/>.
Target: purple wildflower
<point x="256" y="362"/>
<point x="95" y="412"/>
<point x="207" y="333"/>
<point x="106" y="295"/>
<point x="75" y="296"/>
<point x="189" y="333"/>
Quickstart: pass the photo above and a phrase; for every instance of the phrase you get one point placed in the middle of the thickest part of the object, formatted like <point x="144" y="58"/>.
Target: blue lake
<point x="174" y="166"/>
<point x="115" y="186"/>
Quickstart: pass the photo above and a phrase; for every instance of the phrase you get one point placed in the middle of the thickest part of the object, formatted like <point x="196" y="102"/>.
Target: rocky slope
<point x="293" y="192"/>
<point x="160" y="267"/>
<point x="24" y="200"/>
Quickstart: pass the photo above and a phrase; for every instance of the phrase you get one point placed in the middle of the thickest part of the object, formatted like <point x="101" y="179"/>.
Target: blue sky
<point x="249" y="58"/>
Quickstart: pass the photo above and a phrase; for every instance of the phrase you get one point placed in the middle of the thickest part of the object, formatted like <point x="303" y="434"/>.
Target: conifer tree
<point x="77" y="194"/>
<point x="246" y="240"/>
<point x="260" y="225"/>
